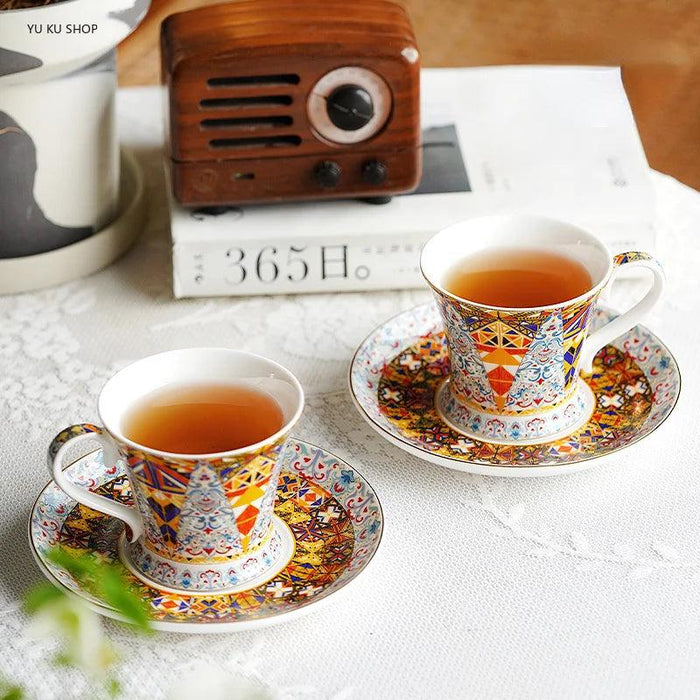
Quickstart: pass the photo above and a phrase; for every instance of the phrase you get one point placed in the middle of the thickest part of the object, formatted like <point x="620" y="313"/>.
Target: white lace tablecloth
<point x="581" y="586"/>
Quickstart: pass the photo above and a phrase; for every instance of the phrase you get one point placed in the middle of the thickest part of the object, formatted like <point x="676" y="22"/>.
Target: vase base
<point x="88" y="255"/>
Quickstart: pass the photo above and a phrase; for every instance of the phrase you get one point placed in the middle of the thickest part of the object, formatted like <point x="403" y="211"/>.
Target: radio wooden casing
<point x="257" y="90"/>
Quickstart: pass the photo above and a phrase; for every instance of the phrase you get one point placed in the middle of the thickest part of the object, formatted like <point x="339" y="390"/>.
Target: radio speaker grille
<point x="254" y="106"/>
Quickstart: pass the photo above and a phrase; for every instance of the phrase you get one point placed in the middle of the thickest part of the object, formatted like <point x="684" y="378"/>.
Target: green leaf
<point x="69" y="619"/>
<point x="78" y="565"/>
<point x="63" y="659"/>
<point x="117" y="593"/>
<point x="11" y="693"/>
<point x="40" y="596"/>
<point x="114" y="687"/>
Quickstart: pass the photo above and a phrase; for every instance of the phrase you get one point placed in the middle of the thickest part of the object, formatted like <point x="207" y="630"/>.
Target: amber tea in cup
<point x="203" y="418"/>
<point x="517" y="278"/>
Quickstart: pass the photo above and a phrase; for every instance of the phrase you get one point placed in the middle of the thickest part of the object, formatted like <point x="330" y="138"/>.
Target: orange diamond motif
<point x="500" y="379"/>
<point x="246" y="520"/>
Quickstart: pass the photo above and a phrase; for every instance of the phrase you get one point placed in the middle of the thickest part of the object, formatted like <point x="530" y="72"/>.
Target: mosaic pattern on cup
<point x="199" y="511"/>
<point x="510" y="362"/>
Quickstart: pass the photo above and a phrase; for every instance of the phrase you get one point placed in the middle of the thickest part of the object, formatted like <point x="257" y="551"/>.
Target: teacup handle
<point x="628" y="320"/>
<point x="83" y="432"/>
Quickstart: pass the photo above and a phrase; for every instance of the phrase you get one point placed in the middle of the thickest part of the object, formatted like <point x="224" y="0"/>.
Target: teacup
<point x="514" y="376"/>
<point x="201" y="523"/>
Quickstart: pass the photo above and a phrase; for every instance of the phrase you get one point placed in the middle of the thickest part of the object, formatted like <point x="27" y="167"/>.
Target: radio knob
<point x="327" y="174"/>
<point x="350" y="107"/>
<point x="374" y="172"/>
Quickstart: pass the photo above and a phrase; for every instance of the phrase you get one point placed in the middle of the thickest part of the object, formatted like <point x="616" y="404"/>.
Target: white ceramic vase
<point x="59" y="155"/>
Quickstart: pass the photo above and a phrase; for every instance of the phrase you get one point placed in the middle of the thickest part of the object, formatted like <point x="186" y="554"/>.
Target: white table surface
<point x="581" y="586"/>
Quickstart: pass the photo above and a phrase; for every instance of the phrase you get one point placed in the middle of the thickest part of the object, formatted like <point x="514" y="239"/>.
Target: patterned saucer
<point x="333" y="513"/>
<point x="400" y="365"/>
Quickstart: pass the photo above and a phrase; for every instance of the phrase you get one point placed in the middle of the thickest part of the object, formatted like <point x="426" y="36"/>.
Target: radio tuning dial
<point x="350" y="107"/>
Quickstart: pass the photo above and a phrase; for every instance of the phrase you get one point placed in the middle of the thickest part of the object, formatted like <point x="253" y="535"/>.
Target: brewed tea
<point x="517" y="278"/>
<point x="203" y="418"/>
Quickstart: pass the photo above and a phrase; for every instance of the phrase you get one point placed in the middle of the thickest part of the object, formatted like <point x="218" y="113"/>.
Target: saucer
<point x="332" y="513"/>
<point x="399" y="367"/>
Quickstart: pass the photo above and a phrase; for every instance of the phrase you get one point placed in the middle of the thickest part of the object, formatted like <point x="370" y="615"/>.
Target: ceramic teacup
<point x="514" y="375"/>
<point x="201" y="523"/>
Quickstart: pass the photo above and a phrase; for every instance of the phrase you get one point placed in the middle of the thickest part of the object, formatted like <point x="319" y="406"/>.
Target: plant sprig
<point x="55" y="612"/>
<point x="105" y="581"/>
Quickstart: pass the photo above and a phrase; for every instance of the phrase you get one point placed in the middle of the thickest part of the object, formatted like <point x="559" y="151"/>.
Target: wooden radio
<point x="276" y="100"/>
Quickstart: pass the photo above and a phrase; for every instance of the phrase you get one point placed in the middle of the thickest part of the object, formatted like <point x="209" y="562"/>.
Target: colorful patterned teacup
<point x="200" y="523"/>
<point x="515" y="371"/>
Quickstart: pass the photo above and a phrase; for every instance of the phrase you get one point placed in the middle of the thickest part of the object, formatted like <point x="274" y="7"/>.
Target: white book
<point x="559" y="141"/>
